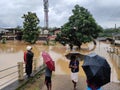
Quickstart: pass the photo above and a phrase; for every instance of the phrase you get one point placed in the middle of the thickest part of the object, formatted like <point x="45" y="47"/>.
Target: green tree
<point x="30" y="27"/>
<point x="80" y="28"/>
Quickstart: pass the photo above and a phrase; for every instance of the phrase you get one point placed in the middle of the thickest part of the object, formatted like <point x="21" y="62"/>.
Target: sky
<point x="105" y="12"/>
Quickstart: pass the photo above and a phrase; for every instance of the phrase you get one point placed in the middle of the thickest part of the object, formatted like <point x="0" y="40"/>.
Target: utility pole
<point x="114" y="38"/>
<point x="115" y="26"/>
<point x="46" y="13"/>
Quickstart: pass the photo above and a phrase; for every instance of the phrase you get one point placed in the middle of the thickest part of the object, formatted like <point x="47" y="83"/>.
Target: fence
<point x="5" y="78"/>
<point x="114" y="53"/>
<point x="13" y="73"/>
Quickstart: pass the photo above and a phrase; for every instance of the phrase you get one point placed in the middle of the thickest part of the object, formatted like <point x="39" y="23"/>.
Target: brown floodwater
<point x="12" y="52"/>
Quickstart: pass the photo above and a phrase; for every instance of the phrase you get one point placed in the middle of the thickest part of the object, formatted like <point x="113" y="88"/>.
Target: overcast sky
<point x="105" y="12"/>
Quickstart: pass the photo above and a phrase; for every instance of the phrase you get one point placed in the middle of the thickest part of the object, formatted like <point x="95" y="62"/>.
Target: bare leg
<point x="74" y="84"/>
<point x="50" y="86"/>
<point x="47" y="85"/>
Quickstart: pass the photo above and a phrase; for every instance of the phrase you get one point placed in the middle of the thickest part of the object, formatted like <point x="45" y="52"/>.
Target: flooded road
<point x="12" y="53"/>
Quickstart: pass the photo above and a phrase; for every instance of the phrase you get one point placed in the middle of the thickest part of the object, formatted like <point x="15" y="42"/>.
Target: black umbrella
<point x="77" y="54"/>
<point x="96" y="69"/>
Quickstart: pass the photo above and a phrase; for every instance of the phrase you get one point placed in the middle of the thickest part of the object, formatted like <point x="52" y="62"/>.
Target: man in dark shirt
<point x="29" y="61"/>
<point x="74" y="65"/>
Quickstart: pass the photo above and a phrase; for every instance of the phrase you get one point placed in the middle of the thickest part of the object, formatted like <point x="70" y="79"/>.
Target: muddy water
<point x="12" y="52"/>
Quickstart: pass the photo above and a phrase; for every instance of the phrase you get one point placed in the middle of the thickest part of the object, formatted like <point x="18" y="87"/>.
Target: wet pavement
<point x="63" y="82"/>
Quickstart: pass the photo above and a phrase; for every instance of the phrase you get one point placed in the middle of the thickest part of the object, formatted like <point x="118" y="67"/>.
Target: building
<point x="116" y="39"/>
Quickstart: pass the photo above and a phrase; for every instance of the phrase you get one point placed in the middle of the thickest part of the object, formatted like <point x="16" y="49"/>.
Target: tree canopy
<point x="80" y="28"/>
<point x="30" y="27"/>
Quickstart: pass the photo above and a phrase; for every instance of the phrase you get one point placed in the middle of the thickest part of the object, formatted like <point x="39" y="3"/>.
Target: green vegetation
<point x="30" y="27"/>
<point x="3" y="40"/>
<point x="109" y="32"/>
<point x="80" y="28"/>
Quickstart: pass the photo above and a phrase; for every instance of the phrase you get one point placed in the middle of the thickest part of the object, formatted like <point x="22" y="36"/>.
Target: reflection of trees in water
<point x="59" y="49"/>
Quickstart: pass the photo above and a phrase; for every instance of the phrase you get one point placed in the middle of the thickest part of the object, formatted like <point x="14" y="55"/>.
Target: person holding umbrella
<point x="97" y="70"/>
<point x="50" y="66"/>
<point x="74" y="66"/>
<point x="48" y="74"/>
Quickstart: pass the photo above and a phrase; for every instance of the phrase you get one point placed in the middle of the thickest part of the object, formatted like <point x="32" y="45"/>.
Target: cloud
<point x="105" y="12"/>
<point x="12" y="11"/>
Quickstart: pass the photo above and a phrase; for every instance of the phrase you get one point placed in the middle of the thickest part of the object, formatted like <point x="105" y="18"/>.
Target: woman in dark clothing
<point x="29" y="61"/>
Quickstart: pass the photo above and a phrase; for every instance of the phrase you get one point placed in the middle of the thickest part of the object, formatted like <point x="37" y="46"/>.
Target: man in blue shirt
<point x="74" y="65"/>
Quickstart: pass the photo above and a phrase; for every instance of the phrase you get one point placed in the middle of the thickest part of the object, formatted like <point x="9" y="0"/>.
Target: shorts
<point x="47" y="79"/>
<point x="74" y="76"/>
